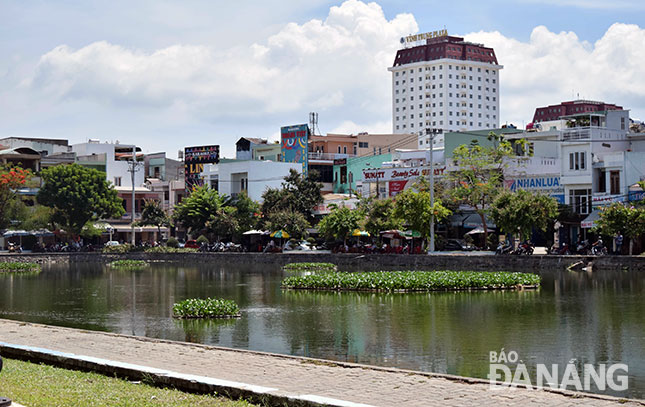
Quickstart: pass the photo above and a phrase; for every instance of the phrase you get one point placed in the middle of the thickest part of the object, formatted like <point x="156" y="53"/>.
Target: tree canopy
<point x="380" y="215"/>
<point x="521" y="211"/>
<point x="619" y="217"/>
<point x="78" y="195"/>
<point x="298" y="194"/>
<point x="292" y="222"/>
<point x="202" y="206"/>
<point x="341" y="222"/>
<point x="153" y="214"/>
<point x="10" y="180"/>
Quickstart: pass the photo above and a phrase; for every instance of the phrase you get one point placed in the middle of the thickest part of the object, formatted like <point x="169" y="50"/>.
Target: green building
<point x="349" y="171"/>
<point x="453" y="140"/>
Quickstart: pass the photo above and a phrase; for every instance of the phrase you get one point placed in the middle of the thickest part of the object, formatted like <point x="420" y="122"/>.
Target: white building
<point x="254" y="177"/>
<point x="446" y="84"/>
<point x="113" y="159"/>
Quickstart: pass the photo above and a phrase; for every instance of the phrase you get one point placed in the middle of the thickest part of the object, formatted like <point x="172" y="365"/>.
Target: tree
<point x="521" y="211"/>
<point x="197" y="209"/>
<point x="298" y="194"/>
<point x="416" y="210"/>
<point x="294" y="223"/>
<point x="223" y="223"/>
<point x="479" y="175"/>
<point x="246" y="213"/>
<point x="10" y="180"/>
<point x="618" y="217"/>
<point x="77" y="195"/>
<point x="341" y="222"/>
<point x="153" y="214"/>
<point x="380" y="215"/>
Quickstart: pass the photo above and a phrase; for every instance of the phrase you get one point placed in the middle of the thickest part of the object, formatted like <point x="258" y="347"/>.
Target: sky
<point x="170" y="74"/>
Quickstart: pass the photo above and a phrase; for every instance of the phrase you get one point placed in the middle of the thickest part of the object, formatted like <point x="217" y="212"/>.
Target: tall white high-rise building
<point x="446" y="84"/>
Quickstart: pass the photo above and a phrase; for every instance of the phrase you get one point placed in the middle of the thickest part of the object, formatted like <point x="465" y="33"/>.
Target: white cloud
<point x="554" y="67"/>
<point x="318" y="65"/>
<point x="349" y="127"/>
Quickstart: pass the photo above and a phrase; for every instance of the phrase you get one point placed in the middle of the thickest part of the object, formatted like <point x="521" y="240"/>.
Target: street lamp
<point x="431" y="133"/>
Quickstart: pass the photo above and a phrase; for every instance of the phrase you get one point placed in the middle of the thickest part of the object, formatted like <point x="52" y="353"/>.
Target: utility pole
<point x="133" y="168"/>
<point x="431" y="133"/>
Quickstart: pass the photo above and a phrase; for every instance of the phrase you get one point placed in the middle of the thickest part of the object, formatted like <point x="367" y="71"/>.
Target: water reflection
<point x="592" y="317"/>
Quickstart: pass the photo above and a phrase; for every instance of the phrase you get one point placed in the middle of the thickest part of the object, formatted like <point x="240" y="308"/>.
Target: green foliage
<point x="309" y="267"/>
<point x="153" y="214"/>
<point x="521" y="211"/>
<point x="340" y="223"/>
<point x="206" y="308"/>
<point x="479" y="176"/>
<point x="10" y="180"/>
<point x="90" y="231"/>
<point x="78" y="195"/>
<point x="202" y="206"/>
<point x="411" y="280"/>
<point x="415" y="208"/>
<point x="19" y="267"/>
<point x="128" y="264"/>
<point x="168" y="249"/>
<point x="619" y="217"/>
<point x="202" y="240"/>
<point x="172" y="243"/>
<point x="120" y="249"/>
<point x="299" y="194"/>
<point x="292" y="222"/>
<point x="223" y="222"/>
<point x="381" y="215"/>
<point x="246" y="213"/>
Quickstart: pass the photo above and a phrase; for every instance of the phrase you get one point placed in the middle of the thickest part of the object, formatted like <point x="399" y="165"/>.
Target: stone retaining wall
<point x="365" y="261"/>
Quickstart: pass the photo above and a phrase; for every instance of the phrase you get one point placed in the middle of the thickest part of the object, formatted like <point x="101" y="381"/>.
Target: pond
<point x="590" y="317"/>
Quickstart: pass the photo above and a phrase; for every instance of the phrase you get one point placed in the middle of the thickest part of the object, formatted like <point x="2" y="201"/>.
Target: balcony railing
<point x="315" y="155"/>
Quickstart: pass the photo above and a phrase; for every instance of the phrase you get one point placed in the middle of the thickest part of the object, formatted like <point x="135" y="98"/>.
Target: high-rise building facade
<point x="446" y="84"/>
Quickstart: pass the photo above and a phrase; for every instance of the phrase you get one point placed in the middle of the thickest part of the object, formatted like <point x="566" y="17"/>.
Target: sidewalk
<point x="269" y="377"/>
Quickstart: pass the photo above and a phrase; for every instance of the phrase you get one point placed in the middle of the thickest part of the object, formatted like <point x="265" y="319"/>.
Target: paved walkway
<point x="297" y="379"/>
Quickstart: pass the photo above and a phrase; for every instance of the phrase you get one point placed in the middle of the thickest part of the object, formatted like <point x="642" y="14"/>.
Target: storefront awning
<point x="590" y="221"/>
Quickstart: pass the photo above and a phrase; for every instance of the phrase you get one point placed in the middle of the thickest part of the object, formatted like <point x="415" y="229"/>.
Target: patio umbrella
<point x="280" y="234"/>
<point x="359" y="233"/>
<point x="478" y="230"/>
<point x="254" y="232"/>
<point x="412" y="234"/>
<point x="393" y="234"/>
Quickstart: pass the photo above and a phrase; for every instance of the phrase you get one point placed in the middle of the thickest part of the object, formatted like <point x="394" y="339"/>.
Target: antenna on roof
<point x="313" y="123"/>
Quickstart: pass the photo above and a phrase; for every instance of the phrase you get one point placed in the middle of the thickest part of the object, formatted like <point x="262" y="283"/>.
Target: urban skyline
<point x="178" y="78"/>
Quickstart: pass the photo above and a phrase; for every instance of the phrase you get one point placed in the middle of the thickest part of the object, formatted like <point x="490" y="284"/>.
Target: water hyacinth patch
<point x="19" y="267"/>
<point x="206" y="308"/>
<point x="310" y="267"/>
<point x="394" y="281"/>
<point x="128" y="264"/>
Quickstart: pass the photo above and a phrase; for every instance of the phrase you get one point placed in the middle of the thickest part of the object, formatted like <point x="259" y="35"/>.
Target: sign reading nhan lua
<point x="424" y="36"/>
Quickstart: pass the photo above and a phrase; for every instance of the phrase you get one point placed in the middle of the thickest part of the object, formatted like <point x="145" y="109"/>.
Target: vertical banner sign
<point x="294" y="145"/>
<point x="194" y="160"/>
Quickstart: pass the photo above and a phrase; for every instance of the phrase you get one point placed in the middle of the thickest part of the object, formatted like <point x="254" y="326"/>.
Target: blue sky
<point x="166" y="74"/>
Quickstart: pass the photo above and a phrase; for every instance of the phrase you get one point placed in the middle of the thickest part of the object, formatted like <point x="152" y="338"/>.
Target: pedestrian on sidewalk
<point x="618" y="241"/>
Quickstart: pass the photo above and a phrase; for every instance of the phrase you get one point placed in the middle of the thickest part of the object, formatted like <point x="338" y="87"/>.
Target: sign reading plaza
<point x="425" y="36"/>
<point x="194" y="160"/>
<point x="294" y="140"/>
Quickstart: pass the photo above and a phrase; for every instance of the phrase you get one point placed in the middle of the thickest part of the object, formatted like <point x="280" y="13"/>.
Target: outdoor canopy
<point x="280" y="234"/>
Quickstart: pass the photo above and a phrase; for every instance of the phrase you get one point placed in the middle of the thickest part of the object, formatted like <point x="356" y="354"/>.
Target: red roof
<point x="445" y="47"/>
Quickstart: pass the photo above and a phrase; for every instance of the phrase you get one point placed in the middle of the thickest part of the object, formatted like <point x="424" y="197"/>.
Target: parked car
<point x="457" y="244"/>
<point x="192" y="244"/>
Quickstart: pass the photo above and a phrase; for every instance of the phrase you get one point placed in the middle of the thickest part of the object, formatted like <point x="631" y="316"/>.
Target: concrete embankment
<point x="267" y="379"/>
<point x="477" y="262"/>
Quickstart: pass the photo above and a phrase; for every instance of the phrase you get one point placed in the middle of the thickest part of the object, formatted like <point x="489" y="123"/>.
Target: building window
<point x="614" y="182"/>
<point x="577" y="161"/>
<point x="344" y="149"/>
<point x="338" y="149"/>
<point x="117" y="181"/>
<point x="580" y="201"/>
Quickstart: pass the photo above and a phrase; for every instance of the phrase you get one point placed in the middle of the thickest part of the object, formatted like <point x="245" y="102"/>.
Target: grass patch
<point x="393" y="281"/>
<point x="206" y="308"/>
<point x="128" y="264"/>
<point x="45" y="386"/>
<point x="19" y="267"/>
<point x="310" y="267"/>
<point x="166" y="249"/>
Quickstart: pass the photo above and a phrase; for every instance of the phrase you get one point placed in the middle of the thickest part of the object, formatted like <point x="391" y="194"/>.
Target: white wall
<point x="113" y="168"/>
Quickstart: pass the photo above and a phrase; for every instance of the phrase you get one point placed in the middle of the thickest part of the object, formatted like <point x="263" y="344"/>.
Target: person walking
<point x="618" y="240"/>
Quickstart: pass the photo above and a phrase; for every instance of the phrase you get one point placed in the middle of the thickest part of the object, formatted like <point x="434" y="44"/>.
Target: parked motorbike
<point x="526" y="248"/>
<point x="598" y="248"/>
<point x="583" y="247"/>
<point x="504" y="248"/>
<point x="561" y="251"/>
<point x="14" y="248"/>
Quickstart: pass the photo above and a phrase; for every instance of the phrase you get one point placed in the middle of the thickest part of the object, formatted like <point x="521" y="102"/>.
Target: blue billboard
<point x="294" y="141"/>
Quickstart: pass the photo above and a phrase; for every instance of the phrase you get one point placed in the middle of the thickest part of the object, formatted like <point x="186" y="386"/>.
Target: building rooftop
<point x="446" y="47"/>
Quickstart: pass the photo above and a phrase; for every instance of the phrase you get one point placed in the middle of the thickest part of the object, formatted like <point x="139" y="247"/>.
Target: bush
<point x="19" y="267"/>
<point x="309" y="267"/>
<point x="208" y="308"/>
<point x="311" y="240"/>
<point x="412" y="281"/>
<point x="202" y="240"/>
<point x="172" y="242"/>
<point x="166" y="249"/>
<point x="120" y="249"/>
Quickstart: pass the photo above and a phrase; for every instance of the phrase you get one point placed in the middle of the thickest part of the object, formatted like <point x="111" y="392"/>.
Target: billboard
<point x="294" y="141"/>
<point x="194" y="160"/>
<point x="547" y="184"/>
